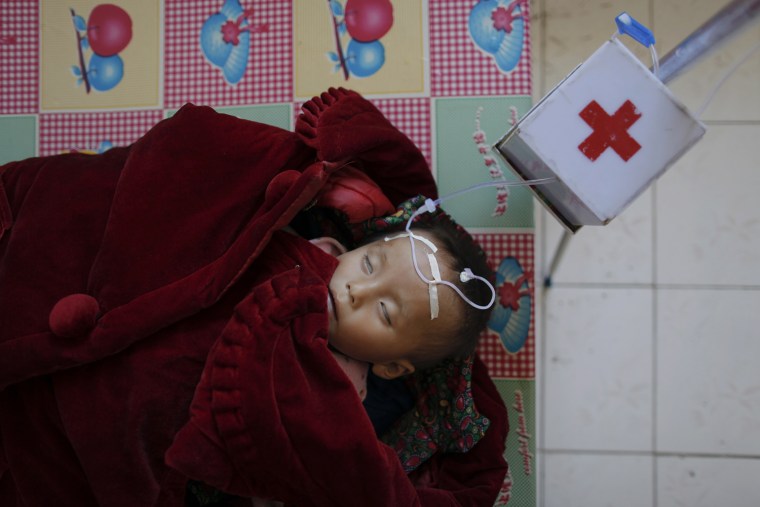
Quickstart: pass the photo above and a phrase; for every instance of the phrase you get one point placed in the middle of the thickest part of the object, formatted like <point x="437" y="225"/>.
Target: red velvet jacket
<point x="146" y="279"/>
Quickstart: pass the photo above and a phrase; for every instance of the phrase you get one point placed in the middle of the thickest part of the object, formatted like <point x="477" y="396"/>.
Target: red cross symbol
<point x="609" y="131"/>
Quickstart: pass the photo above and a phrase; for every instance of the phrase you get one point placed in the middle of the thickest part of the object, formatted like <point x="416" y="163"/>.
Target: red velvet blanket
<point x="139" y="281"/>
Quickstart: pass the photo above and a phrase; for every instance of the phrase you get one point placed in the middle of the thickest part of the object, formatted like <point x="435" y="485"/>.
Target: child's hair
<point x="460" y="251"/>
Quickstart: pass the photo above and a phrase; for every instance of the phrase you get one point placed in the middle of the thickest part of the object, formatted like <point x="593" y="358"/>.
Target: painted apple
<point x="368" y="20"/>
<point x="109" y="29"/>
<point x="105" y="72"/>
<point x="364" y="58"/>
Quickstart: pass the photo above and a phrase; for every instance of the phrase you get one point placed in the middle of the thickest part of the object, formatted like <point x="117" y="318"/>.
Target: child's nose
<point x="359" y="291"/>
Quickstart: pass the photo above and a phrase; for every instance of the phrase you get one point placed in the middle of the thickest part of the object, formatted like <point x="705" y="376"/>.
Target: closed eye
<point x="368" y="264"/>
<point x="387" y="316"/>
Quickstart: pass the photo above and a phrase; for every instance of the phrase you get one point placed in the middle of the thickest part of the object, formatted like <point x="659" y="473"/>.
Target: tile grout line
<point x="654" y="341"/>
<point x="655" y="299"/>
<point x="655" y="293"/>
<point x="663" y="454"/>
<point x="541" y="477"/>
<point x="656" y="286"/>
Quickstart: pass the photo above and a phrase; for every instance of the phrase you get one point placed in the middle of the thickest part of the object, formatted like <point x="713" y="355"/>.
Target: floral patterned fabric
<point x="391" y="222"/>
<point x="444" y="419"/>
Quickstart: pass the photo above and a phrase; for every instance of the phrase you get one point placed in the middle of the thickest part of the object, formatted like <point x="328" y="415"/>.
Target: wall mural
<point x="497" y="28"/>
<point x="226" y="39"/>
<point x="358" y="29"/>
<point x="105" y="33"/>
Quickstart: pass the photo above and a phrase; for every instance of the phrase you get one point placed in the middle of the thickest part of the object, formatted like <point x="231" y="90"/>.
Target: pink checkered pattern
<point x="190" y="78"/>
<point x="458" y="67"/>
<point x="19" y="44"/>
<point x="412" y="117"/>
<point x="61" y="132"/>
<point x="500" y="363"/>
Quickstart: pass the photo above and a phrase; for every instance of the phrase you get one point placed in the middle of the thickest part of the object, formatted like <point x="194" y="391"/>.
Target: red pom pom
<point x="355" y="194"/>
<point x="74" y="315"/>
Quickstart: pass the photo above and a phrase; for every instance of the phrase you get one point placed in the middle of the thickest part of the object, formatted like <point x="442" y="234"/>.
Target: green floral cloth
<point x="444" y="419"/>
<point x="392" y="222"/>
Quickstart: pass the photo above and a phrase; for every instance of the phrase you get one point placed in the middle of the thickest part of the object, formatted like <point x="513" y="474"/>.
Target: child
<point x="380" y="310"/>
<point x="380" y="315"/>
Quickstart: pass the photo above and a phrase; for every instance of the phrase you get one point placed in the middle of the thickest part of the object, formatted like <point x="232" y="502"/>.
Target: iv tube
<point x="655" y="62"/>
<point x="467" y="274"/>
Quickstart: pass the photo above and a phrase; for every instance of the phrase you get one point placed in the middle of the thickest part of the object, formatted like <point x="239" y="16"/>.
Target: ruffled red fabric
<point x="338" y="133"/>
<point x="250" y="416"/>
<point x="168" y="237"/>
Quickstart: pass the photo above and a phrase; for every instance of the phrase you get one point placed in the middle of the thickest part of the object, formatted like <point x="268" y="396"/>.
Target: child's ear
<point x="393" y="369"/>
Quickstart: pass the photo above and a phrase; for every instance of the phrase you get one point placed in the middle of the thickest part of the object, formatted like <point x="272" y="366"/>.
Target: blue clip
<point x="629" y="26"/>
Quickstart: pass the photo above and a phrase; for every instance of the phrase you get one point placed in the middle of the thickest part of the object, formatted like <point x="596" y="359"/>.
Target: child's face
<point x="379" y="309"/>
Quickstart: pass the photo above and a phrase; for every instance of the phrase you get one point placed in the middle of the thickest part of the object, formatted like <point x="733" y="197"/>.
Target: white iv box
<point x="606" y="132"/>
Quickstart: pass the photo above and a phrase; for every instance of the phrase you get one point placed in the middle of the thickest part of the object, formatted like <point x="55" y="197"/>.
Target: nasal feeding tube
<point x="466" y="275"/>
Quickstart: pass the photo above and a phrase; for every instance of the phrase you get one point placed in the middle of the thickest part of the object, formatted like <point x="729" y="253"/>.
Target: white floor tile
<point x="537" y="41"/>
<point x="577" y="28"/>
<point x="598" y="375"/>
<point x="597" y="344"/>
<point x="707" y="482"/>
<point x="708" y="380"/>
<point x="598" y="480"/>
<point x="620" y="252"/>
<point x="737" y="98"/>
<point x="708" y="219"/>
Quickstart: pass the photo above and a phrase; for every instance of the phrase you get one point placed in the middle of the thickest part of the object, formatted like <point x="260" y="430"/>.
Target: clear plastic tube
<point x="539" y="181"/>
<point x="652" y="53"/>
<point x="467" y="275"/>
<point x="726" y="75"/>
<point x="655" y="62"/>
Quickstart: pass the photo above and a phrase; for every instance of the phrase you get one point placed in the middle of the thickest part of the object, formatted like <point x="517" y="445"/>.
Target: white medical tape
<point x="426" y="241"/>
<point x="432" y="286"/>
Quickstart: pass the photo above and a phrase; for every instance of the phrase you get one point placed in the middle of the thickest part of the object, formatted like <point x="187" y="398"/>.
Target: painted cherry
<point x="109" y="29"/>
<point x="368" y="20"/>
